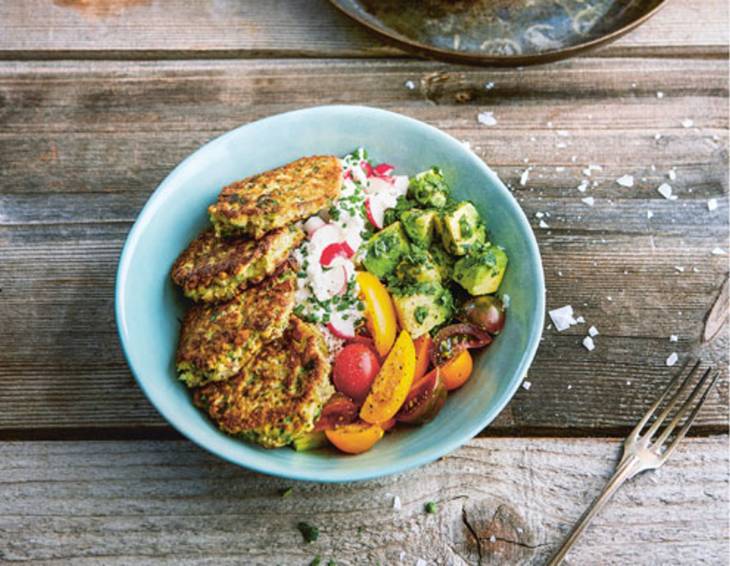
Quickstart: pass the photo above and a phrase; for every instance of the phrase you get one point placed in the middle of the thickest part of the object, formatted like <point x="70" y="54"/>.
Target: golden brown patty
<point x="216" y="341"/>
<point x="214" y="269"/>
<point x="279" y="395"/>
<point x="278" y="197"/>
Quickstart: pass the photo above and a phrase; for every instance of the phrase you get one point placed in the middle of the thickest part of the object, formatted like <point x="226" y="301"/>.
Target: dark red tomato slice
<point x="339" y="410"/>
<point x="356" y="366"/>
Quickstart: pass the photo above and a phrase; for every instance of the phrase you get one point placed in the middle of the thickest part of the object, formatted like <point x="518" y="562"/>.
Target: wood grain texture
<point x="291" y="28"/>
<point x="83" y="144"/>
<point x="499" y="501"/>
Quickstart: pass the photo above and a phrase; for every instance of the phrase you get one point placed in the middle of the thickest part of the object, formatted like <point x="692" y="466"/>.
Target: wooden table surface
<point x="100" y="99"/>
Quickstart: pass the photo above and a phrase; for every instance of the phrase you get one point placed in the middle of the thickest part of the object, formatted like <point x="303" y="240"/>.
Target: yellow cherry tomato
<point x="379" y="312"/>
<point x="393" y="382"/>
<point x="457" y="370"/>
<point x="355" y="438"/>
<point x="423" y="345"/>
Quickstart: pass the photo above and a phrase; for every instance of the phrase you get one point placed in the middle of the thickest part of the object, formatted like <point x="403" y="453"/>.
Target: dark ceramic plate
<point x="500" y="32"/>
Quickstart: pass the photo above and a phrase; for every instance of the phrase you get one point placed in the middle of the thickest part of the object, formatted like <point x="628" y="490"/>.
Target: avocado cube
<point x="461" y="228"/>
<point x="418" y="266"/>
<point x="429" y="188"/>
<point x="422" y="307"/>
<point x="443" y="260"/>
<point x="419" y="225"/>
<point x="481" y="271"/>
<point x="309" y="441"/>
<point x="385" y="249"/>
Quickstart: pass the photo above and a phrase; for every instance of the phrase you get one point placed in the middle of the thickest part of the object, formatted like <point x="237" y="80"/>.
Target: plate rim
<point x="456" y="56"/>
<point x="340" y="476"/>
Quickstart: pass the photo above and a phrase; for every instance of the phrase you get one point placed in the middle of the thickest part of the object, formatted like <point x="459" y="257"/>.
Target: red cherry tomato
<point x="356" y="366"/>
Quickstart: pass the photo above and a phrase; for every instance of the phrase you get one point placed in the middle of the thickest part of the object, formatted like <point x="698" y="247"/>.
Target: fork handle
<point x="626" y="469"/>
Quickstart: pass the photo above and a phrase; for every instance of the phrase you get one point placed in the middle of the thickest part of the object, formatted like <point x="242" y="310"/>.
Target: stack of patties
<point x="262" y="373"/>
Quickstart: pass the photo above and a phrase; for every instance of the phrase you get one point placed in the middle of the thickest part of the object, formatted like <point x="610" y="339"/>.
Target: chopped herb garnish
<point x="286" y="492"/>
<point x="316" y="561"/>
<point x="309" y="532"/>
<point x="430" y="507"/>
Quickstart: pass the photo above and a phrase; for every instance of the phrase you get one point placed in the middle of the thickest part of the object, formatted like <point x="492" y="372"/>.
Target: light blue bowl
<point x="148" y="306"/>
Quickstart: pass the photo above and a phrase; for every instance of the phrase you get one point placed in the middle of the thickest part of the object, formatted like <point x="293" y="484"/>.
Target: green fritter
<point x="216" y="341"/>
<point x="276" y="198"/>
<point x="279" y="395"/>
<point x="214" y="269"/>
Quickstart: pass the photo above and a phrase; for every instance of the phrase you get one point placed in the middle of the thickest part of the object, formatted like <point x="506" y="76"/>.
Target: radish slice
<point x="400" y="184"/>
<point x="384" y="169"/>
<point x="375" y="211"/>
<point x="377" y="185"/>
<point x="331" y="283"/>
<point x="332" y="251"/>
<point x="367" y="168"/>
<point x="313" y="224"/>
<point x="344" y="329"/>
<point x="325" y="235"/>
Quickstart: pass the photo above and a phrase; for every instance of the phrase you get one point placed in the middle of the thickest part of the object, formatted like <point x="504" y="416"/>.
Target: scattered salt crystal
<point x="665" y="190"/>
<point x="696" y="270"/>
<point x="574" y="158"/>
<point x="570" y="386"/>
<point x="587" y="172"/>
<point x="396" y="503"/>
<point x="563" y="133"/>
<point x="580" y="320"/>
<point x="410" y="85"/>
<point x="486" y="118"/>
<point x="588" y="343"/>
<point x="718" y="251"/>
<point x="672" y="359"/>
<point x="679" y="268"/>
<point x="610" y="298"/>
<point x="657" y="136"/>
<point x="543" y="224"/>
<point x="590" y="201"/>
<point x="687" y="123"/>
<point x="561" y="145"/>
<point x="526" y="385"/>
<point x="524" y="177"/>
<point x="492" y="539"/>
<point x="626" y="181"/>
<point x="712" y="204"/>
<point x="628" y="383"/>
<point x="559" y="169"/>
<point x="672" y="174"/>
<point x="539" y="214"/>
<point x="649" y="214"/>
<point x="674" y="338"/>
<point x="489" y="85"/>
<point x="593" y="331"/>
<point x="560" y="273"/>
<point x="506" y="299"/>
<point x="421" y="562"/>
<point x="549" y="124"/>
<point x="660" y="94"/>
<point x="563" y="318"/>
<point x="583" y="185"/>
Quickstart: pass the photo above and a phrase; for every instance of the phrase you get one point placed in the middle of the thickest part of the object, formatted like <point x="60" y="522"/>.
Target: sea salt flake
<point x="674" y="338"/>
<point x="524" y="177"/>
<point x="396" y="503"/>
<point x="526" y="385"/>
<point x="665" y="189"/>
<point x="712" y="204"/>
<point x="718" y="251"/>
<point x="679" y="268"/>
<point x="657" y="137"/>
<point x="570" y="387"/>
<point x="626" y="181"/>
<point x="590" y="201"/>
<point x="487" y="119"/>
<point x="660" y="94"/>
<point x="539" y="214"/>
<point x="563" y="133"/>
<point x="559" y="169"/>
<point x="410" y="85"/>
<point x="580" y="320"/>
<point x="492" y="539"/>
<point x="588" y="343"/>
<point x="543" y="224"/>
<point x="672" y="174"/>
<point x="421" y="562"/>
<point x="561" y="145"/>
<point x="687" y="123"/>
<point x="592" y="331"/>
<point x="563" y="318"/>
<point x="489" y="85"/>
<point x="649" y="214"/>
<point x="583" y="185"/>
<point x="672" y="359"/>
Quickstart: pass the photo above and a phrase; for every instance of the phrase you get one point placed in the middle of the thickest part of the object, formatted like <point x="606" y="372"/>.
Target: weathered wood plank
<point x="169" y="502"/>
<point x="247" y="28"/>
<point x="78" y="159"/>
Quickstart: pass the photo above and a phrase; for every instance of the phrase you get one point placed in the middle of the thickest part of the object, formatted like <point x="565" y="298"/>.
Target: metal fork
<point x="640" y="453"/>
